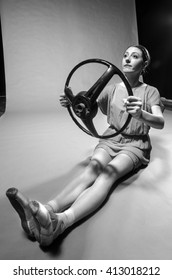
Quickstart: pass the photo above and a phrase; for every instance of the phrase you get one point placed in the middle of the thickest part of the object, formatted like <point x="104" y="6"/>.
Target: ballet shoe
<point x="49" y="224"/>
<point x="41" y="214"/>
<point x="21" y="204"/>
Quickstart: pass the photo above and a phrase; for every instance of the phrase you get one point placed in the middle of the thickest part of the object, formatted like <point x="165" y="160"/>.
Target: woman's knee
<point x="110" y="172"/>
<point x="94" y="169"/>
<point x="96" y="166"/>
<point x="119" y="167"/>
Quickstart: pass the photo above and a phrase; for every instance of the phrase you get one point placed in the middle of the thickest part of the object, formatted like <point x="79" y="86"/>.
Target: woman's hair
<point x="145" y="55"/>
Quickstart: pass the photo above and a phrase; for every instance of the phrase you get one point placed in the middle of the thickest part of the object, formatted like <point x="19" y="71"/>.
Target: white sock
<point x="68" y="217"/>
<point x="53" y="205"/>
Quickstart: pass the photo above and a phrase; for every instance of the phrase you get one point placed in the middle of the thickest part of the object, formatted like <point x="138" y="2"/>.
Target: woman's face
<point x="132" y="61"/>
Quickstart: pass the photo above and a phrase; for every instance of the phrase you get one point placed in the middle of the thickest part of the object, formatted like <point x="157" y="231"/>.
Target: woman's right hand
<point x="64" y="101"/>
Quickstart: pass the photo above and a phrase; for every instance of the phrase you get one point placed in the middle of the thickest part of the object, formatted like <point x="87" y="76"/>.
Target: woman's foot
<point x="21" y="204"/>
<point x="49" y="223"/>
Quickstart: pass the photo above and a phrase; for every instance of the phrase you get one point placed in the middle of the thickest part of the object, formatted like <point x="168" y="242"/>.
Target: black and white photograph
<point x="85" y="135"/>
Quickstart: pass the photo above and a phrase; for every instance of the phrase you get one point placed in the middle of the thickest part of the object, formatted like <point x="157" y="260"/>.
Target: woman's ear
<point x="144" y="68"/>
<point x="146" y="64"/>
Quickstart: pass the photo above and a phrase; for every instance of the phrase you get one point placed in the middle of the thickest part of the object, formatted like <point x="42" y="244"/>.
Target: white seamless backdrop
<point x="44" y="39"/>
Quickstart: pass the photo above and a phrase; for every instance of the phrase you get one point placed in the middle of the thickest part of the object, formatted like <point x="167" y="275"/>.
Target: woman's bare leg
<point x="87" y="202"/>
<point x="94" y="196"/>
<point x="70" y="193"/>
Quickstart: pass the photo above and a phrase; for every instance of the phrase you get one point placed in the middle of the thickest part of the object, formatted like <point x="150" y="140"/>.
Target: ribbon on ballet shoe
<point x="59" y="229"/>
<point x="54" y="229"/>
<point x="46" y="236"/>
<point x="42" y="215"/>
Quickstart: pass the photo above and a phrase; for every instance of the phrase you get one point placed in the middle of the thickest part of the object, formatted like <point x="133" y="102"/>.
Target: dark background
<point x="154" y="19"/>
<point x="2" y="77"/>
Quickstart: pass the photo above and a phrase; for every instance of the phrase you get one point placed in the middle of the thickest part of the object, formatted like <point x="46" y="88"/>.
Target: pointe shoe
<point x="49" y="224"/>
<point x="21" y="204"/>
<point x="41" y="214"/>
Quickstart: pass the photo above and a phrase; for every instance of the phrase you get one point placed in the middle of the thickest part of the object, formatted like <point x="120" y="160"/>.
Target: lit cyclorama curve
<point x="84" y="104"/>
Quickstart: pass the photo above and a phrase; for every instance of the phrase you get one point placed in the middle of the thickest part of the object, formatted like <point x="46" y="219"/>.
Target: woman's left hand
<point x="133" y="106"/>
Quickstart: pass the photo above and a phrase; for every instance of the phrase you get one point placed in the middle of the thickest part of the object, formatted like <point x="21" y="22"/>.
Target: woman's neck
<point x="134" y="81"/>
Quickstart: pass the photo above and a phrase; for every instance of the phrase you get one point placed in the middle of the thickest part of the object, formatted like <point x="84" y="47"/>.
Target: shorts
<point x="138" y="156"/>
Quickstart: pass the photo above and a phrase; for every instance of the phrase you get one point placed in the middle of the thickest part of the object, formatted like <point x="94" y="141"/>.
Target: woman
<point x="111" y="159"/>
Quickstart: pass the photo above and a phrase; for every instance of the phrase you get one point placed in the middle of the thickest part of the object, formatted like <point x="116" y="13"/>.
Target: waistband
<point x="135" y="136"/>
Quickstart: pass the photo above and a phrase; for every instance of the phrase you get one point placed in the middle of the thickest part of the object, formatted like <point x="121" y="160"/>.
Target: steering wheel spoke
<point x="99" y="85"/>
<point x="90" y="126"/>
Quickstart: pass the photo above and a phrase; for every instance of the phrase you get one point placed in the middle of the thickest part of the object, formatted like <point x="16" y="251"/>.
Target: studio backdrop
<point x="44" y="39"/>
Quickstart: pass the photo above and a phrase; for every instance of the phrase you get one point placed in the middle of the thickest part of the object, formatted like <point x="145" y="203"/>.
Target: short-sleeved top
<point x="111" y="104"/>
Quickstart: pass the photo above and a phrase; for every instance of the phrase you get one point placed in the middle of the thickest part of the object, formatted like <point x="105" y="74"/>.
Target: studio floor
<point x="41" y="153"/>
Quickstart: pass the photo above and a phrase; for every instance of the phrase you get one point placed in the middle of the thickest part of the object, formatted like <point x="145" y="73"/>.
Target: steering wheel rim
<point x="84" y="104"/>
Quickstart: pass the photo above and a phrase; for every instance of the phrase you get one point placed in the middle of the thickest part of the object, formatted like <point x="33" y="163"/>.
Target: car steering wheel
<point x="84" y="103"/>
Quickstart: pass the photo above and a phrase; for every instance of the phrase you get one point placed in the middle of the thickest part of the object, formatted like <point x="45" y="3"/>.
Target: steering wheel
<point x="84" y="103"/>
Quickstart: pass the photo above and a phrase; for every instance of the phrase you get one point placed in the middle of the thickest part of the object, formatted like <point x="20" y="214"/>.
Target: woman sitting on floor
<point x="111" y="159"/>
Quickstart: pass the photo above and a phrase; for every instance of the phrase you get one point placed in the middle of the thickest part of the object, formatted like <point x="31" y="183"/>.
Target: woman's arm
<point x="134" y="107"/>
<point x="155" y="120"/>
